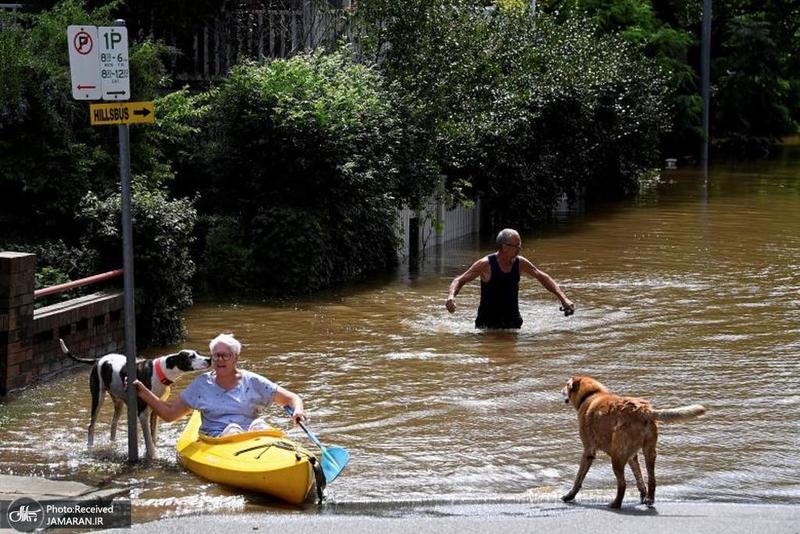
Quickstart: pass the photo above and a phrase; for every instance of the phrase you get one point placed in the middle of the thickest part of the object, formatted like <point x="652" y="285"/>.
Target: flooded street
<point x="688" y="294"/>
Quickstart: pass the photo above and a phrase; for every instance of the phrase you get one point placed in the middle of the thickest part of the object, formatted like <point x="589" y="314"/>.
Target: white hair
<point x="505" y="236"/>
<point x="228" y="340"/>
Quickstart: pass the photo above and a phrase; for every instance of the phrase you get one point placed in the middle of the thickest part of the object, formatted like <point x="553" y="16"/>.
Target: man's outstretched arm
<point x="459" y="281"/>
<point x="547" y="282"/>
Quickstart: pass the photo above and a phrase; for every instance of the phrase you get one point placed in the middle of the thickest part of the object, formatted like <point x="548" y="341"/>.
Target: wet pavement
<point x="555" y="518"/>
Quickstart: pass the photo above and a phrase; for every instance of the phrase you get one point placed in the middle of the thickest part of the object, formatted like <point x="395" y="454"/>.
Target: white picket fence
<point x="434" y="225"/>
<point x="210" y="51"/>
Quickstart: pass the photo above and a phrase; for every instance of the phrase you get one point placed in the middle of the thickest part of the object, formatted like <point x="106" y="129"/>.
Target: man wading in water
<point x="500" y="274"/>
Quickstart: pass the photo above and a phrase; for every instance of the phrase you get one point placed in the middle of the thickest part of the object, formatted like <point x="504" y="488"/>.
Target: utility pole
<point x="705" y="73"/>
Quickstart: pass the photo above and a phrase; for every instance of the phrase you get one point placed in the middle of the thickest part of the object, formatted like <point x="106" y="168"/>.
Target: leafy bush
<point x="74" y="261"/>
<point x="298" y="169"/>
<point x="227" y="259"/>
<point x="50" y="276"/>
<point x="162" y="236"/>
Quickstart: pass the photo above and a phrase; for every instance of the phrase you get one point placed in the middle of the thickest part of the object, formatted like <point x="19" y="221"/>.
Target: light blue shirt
<point x="220" y="407"/>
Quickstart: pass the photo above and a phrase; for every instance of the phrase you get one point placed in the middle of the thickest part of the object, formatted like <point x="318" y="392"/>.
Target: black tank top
<point x="499" y="306"/>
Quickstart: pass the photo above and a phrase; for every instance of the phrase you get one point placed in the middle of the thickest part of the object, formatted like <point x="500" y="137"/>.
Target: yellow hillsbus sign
<point x="122" y="113"/>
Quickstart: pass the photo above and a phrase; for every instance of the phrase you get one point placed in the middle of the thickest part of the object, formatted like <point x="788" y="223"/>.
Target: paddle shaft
<point x="311" y="436"/>
<point x="316" y="441"/>
<point x="288" y="409"/>
<point x="322" y="449"/>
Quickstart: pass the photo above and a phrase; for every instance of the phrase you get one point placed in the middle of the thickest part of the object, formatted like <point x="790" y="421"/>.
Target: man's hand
<point x="450" y="303"/>
<point x="567" y="307"/>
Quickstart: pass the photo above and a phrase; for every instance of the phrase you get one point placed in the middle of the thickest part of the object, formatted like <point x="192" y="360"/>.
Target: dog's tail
<point x="684" y="413"/>
<point x="66" y="351"/>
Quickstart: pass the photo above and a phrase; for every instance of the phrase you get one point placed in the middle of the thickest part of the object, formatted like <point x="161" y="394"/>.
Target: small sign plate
<point x="122" y="113"/>
<point x="115" y="76"/>
<point x="83" y="62"/>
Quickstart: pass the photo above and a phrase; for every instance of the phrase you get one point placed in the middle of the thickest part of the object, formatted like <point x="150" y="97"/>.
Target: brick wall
<point x="91" y="326"/>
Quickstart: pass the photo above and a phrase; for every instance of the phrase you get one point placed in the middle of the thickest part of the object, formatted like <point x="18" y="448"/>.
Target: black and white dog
<point x="109" y="374"/>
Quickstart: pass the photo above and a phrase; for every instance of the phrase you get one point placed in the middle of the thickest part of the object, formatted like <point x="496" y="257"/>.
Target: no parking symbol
<point x="83" y="43"/>
<point x="84" y="62"/>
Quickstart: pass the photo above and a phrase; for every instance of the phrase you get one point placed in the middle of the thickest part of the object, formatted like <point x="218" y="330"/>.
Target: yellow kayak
<point x="264" y="461"/>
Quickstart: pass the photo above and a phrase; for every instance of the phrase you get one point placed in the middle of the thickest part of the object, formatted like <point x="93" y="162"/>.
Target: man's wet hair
<point x="505" y="235"/>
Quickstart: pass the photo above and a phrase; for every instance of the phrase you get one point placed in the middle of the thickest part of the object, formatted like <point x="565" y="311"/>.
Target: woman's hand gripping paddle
<point x="334" y="459"/>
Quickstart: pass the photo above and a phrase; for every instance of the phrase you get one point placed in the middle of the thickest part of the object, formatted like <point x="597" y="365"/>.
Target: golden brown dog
<point x="620" y="427"/>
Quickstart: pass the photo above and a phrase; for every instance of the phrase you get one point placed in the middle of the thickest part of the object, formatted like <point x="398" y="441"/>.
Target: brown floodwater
<point x="687" y="294"/>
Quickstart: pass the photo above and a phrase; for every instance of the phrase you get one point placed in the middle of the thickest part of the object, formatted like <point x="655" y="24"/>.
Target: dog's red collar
<point x="160" y="373"/>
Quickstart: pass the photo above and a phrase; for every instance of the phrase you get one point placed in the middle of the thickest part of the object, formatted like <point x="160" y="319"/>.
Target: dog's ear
<point x="574" y="383"/>
<point x="568" y="390"/>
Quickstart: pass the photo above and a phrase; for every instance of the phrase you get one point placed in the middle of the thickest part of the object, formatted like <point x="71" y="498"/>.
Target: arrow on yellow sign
<point x="122" y="113"/>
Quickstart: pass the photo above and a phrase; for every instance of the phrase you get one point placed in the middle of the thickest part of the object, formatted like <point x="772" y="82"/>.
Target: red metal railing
<point x="60" y="288"/>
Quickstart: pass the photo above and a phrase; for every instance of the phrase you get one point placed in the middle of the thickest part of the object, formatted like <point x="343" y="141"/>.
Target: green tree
<point x="51" y="156"/>
<point x="755" y="71"/>
<point x="667" y="31"/>
<point x="520" y="110"/>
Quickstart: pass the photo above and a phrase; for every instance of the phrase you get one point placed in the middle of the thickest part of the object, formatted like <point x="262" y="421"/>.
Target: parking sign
<point x="83" y="59"/>
<point x="114" y="69"/>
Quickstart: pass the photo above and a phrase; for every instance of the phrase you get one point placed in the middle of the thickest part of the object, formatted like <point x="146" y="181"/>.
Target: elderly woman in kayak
<point x="228" y="398"/>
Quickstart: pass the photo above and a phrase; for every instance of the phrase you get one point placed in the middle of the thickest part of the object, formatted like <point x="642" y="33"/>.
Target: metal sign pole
<point x="130" y="312"/>
<point x="127" y="265"/>
<point x="99" y="69"/>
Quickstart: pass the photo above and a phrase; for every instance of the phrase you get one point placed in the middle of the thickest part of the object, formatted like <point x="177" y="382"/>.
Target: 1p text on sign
<point x="113" y="65"/>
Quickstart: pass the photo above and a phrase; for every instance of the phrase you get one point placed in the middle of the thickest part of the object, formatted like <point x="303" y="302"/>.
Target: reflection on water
<point x="687" y="294"/>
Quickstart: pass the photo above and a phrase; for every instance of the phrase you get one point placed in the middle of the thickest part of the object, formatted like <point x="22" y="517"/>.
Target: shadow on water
<point x="687" y="294"/>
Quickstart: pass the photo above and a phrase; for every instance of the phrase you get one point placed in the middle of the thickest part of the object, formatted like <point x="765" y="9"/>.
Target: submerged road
<point x="664" y="518"/>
